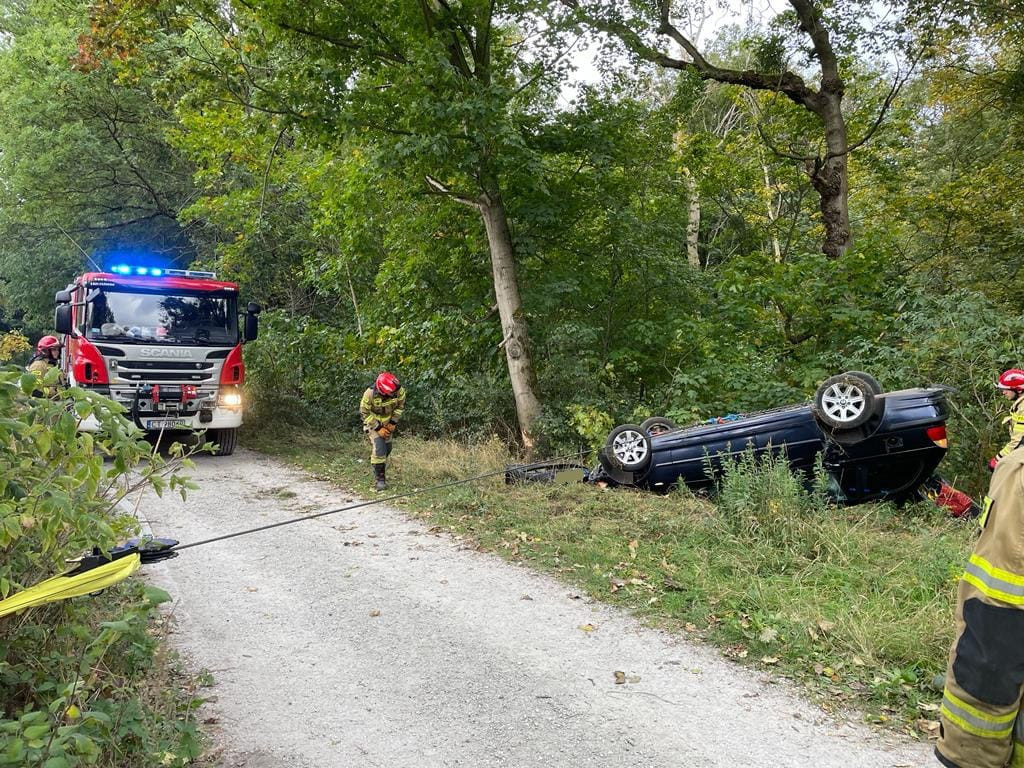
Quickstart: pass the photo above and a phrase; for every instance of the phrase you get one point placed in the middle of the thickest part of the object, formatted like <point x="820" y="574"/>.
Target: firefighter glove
<point x="386" y="430"/>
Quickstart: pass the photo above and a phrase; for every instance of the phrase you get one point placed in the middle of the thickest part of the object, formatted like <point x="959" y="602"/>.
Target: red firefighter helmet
<point x="387" y="384"/>
<point x="47" y="342"/>
<point x="1013" y="379"/>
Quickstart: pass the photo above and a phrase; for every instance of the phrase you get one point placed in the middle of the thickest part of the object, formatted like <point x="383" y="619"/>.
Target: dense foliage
<point x="76" y="677"/>
<point x="667" y="245"/>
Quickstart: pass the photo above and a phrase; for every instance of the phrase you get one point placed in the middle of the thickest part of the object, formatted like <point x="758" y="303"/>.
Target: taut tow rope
<point x="95" y="572"/>
<point x="369" y="503"/>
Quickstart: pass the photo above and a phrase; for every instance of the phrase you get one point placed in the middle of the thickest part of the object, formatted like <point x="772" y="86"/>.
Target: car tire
<point x="226" y="440"/>
<point x="656" y="425"/>
<point x="871" y="380"/>
<point x="844" y="402"/>
<point x="628" y="448"/>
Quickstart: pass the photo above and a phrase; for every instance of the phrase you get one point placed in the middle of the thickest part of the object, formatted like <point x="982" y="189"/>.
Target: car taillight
<point x="938" y="436"/>
<point x="87" y="364"/>
<point x="233" y="371"/>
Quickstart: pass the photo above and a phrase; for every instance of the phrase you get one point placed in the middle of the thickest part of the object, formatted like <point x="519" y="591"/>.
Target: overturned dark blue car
<point x="874" y="445"/>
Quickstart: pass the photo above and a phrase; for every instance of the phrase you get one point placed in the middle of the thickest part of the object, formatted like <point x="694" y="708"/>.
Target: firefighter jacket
<point x="377" y="409"/>
<point x="1016" y="423"/>
<point x="40" y="366"/>
<point x="985" y="675"/>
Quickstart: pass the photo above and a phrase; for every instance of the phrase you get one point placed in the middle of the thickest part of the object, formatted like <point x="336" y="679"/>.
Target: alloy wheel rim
<point x="843" y="402"/>
<point x="629" y="447"/>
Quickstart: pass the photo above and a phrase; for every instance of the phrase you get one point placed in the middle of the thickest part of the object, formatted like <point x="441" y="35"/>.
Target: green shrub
<point x="762" y="499"/>
<point x="73" y="674"/>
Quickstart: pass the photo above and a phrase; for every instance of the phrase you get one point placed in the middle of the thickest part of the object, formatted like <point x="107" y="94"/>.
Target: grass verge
<point x="854" y="603"/>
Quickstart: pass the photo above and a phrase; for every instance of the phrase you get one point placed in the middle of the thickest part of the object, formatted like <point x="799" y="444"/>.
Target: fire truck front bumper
<point x="215" y="418"/>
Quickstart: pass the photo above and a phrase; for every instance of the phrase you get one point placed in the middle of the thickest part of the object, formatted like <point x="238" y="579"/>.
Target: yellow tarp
<point x="63" y="587"/>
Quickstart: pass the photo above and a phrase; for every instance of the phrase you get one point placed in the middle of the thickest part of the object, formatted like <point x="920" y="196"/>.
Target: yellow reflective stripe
<point x="1003" y="719"/>
<point x="992" y="592"/>
<point x="973" y="729"/>
<point x="974" y="721"/>
<point x="1008" y="576"/>
<point x="986" y="506"/>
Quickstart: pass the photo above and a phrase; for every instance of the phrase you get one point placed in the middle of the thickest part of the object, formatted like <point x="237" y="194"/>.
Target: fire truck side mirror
<point x="62" y="297"/>
<point x="252" y="326"/>
<point x="253" y="308"/>
<point x="62" y="318"/>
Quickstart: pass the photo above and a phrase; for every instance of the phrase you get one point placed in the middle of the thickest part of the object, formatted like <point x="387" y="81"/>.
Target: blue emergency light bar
<point x="124" y="269"/>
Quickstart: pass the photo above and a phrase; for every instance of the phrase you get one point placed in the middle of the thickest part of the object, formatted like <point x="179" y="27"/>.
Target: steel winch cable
<point x="369" y="503"/>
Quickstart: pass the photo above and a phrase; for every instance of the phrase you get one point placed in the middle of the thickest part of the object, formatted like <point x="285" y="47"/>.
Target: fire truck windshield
<point x="203" y="319"/>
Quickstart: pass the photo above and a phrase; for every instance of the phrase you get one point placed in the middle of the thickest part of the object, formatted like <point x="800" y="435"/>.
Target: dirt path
<point x="362" y="639"/>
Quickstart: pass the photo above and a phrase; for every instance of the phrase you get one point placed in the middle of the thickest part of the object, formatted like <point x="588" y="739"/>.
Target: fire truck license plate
<point x="165" y="423"/>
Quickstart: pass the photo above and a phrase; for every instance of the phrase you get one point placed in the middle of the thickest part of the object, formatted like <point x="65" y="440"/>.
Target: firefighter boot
<point x="378" y="470"/>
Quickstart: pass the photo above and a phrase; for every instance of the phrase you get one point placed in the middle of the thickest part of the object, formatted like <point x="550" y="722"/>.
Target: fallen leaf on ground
<point x="826" y="626"/>
<point x="768" y="635"/>
<point x="769" y="659"/>
<point x="587" y="627"/>
<point x="928" y="727"/>
<point x="525" y="597"/>
<point x="632" y="549"/>
<point x="374" y="614"/>
<point x="616" y="584"/>
<point x="620" y="677"/>
<point x="735" y="651"/>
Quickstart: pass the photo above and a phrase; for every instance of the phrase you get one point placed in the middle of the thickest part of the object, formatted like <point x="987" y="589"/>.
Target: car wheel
<point x="657" y="425"/>
<point x="844" y="402"/>
<point x="876" y="387"/>
<point x="628" y="447"/>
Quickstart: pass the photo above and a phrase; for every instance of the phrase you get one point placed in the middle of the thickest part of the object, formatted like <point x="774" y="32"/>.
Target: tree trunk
<point x="513" y="324"/>
<point x="692" y="221"/>
<point x="773" y="212"/>
<point x="829" y="178"/>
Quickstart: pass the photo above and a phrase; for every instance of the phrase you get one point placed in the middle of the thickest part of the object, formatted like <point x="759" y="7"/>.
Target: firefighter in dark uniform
<point x="381" y="408"/>
<point x="981" y="722"/>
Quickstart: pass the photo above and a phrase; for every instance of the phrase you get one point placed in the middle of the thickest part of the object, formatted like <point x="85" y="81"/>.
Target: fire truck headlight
<point x="231" y="399"/>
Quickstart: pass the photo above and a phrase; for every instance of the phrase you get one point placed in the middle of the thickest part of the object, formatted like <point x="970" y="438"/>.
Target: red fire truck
<point x="165" y="343"/>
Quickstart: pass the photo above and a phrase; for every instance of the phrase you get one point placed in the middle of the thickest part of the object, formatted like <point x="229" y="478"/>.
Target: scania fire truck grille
<point x="178" y="376"/>
<point x="163" y="365"/>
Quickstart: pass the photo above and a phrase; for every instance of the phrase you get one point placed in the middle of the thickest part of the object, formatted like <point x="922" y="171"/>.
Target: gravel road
<point x="364" y="639"/>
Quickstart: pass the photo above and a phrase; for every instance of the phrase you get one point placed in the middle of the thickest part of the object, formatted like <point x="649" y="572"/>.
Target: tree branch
<point x="266" y="177"/>
<point x="435" y="187"/>
<point x="897" y="85"/>
<point x="786" y="82"/>
<point x="810" y="24"/>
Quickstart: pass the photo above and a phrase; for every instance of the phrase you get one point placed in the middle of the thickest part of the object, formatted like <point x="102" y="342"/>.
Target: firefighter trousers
<point x="381" y="448"/>
<point x="981" y="723"/>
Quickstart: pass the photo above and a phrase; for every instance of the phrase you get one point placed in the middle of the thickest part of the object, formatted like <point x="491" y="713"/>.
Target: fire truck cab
<point x="164" y="343"/>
